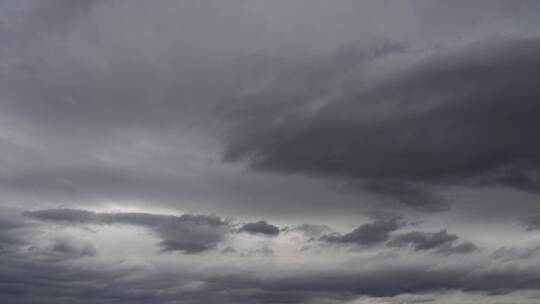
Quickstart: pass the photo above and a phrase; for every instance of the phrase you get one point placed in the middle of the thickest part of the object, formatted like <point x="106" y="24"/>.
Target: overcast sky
<point x="269" y="151"/>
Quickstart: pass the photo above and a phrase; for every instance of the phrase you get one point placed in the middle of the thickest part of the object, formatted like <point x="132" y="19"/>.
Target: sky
<point x="257" y="151"/>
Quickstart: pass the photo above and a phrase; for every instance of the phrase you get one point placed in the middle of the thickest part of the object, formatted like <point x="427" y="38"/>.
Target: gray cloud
<point x="515" y="253"/>
<point x="62" y="249"/>
<point x="312" y="230"/>
<point x="424" y="240"/>
<point x="264" y="250"/>
<point x="418" y="126"/>
<point x="390" y="282"/>
<point x="13" y="230"/>
<point x="105" y="109"/>
<point x="260" y="227"/>
<point x="532" y="223"/>
<point x="186" y="233"/>
<point x="409" y="194"/>
<point x="462" y="248"/>
<point x="32" y="280"/>
<point x="306" y="111"/>
<point x="67" y="248"/>
<point x="368" y="234"/>
<point x="46" y="274"/>
<point x="442" y="241"/>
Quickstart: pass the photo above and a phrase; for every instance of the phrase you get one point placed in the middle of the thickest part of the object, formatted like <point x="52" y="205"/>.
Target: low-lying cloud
<point x="186" y="233"/>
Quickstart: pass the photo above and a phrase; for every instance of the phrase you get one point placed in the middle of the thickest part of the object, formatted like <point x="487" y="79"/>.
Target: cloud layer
<point x="32" y="261"/>
<point x="186" y="233"/>
<point x="308" y="151"/>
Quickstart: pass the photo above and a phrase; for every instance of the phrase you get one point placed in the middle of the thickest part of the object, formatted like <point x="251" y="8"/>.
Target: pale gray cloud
<point x="187" y="233"/>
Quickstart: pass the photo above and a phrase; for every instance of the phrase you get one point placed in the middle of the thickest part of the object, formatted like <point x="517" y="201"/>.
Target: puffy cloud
<point x="260" y="227"/>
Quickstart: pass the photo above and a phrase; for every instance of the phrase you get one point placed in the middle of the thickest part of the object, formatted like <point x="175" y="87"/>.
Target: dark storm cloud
<point x="260" y="227"/>
<point x="186" y="233"/>
<point x="83" y="81"/>
<point x="409" y="194"/>
<point x="442" y="241"/>
<point x="369" y="234"/>
<point x="467" y="117"/>
<point x="532" y="223"/>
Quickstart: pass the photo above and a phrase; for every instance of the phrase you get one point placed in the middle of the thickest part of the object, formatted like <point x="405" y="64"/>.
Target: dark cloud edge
<point x="442" y="142"/>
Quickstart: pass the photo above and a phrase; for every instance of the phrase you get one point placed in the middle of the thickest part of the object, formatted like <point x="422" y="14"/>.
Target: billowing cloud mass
<point x="465" y="116"/>
<point x="307" y="151"/>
